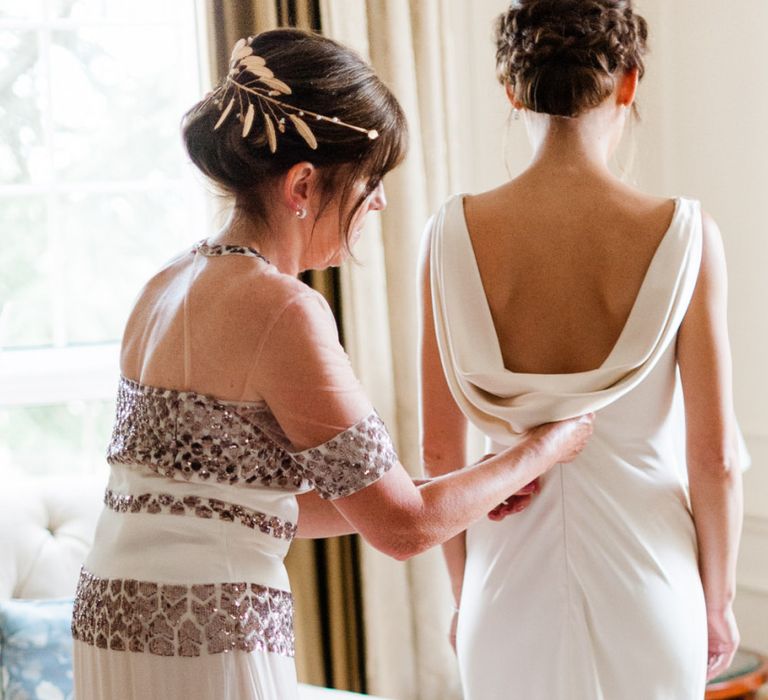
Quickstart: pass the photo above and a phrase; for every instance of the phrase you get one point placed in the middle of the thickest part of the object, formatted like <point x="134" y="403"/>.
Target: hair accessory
<point x="250" y="84"/>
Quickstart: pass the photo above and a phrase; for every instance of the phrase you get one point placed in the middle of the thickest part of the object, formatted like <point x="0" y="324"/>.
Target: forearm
<point x="453" y="501"/>
<point x="716" y="502"/>
<point x="319" y="518"/>
<point x="436" y="463"/>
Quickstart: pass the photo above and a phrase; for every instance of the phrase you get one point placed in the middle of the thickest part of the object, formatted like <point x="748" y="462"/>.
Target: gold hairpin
<point x="266" y="88"/>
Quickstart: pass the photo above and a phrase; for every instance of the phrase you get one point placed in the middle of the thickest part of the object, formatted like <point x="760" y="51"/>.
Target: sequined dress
<point x="184" y="594"/>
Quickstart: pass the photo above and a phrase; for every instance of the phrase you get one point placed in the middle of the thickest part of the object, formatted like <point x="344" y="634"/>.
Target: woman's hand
<point x="723" y="641"/>
<point x="566" y="438"/>
<point x="516" y="503"/>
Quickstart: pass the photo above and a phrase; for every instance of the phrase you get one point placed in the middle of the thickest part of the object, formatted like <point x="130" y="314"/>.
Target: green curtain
<point x="325" y="574"/>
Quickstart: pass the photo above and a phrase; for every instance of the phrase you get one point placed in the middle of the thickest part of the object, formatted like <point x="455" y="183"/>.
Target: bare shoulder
<point x="254" y="294"/>
<point x="428" y="234"/>
<point x="281" y="291"/>
<point x="713" y="267"/>
<point x="710" y="231"/>
<point x="293" y="307"/>
<point x="167" y="272"/>
<point x="654" y="211"/>
<point x="486" y="212"/>
<point x="482" y="201"/>
<point x="251" y="297"/>
<point x="155" y="288"/>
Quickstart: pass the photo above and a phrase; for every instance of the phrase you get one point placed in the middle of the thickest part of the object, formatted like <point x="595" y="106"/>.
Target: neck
<point x="284" y="250"/>
<point x="580" y="146"/>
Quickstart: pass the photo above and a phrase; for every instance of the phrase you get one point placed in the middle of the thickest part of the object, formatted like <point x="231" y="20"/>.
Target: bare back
<point x="227" y="324"/>
<point x="561" y="266"/>
<point x="199" y="324"/>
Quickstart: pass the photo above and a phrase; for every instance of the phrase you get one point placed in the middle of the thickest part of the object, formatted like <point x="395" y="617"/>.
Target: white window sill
<point x="56" y="375"/>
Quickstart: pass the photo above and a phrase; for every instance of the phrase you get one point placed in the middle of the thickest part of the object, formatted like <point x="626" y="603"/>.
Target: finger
<point x="533" y="487"/>
<point x="521" y="503"/>
<point x="725" y="661"/>
<point x="503" y="506"/>
<point x="717" y="663"/>
<point x="511" y="506"/>
<point x="498" y="513"/>
<point x="508" y="507"/>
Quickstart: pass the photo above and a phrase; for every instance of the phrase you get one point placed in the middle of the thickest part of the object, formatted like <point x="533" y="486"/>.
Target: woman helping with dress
<point x="562" y="291"/>
<point x="240" y="423"/>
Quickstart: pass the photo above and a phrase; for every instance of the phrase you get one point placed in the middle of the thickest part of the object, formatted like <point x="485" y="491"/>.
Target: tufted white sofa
<point x="46" y="529"/>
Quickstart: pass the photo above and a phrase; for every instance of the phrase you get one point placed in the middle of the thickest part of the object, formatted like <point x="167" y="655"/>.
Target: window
<point x="95" y="193"/>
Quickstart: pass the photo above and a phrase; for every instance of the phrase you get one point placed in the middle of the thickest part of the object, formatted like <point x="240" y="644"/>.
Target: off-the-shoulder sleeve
<point x="307" y="380"/>
<point x="351" y="460"/>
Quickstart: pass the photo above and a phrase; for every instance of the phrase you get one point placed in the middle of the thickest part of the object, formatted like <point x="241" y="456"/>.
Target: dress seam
<point x="565" y="544"/>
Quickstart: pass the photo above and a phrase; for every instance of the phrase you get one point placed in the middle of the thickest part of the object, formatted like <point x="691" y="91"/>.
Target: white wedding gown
<point x="593" y="592"/>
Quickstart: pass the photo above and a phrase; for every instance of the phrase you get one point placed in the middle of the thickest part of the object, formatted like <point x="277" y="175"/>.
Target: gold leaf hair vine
<point x="248" y="78"/>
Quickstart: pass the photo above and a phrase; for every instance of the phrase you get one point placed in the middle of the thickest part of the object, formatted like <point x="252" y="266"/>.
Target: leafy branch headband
<point x="250" y="84"/>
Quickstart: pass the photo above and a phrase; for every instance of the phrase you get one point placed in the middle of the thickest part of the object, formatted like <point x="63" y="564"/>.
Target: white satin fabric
<point x="593" y="592"/>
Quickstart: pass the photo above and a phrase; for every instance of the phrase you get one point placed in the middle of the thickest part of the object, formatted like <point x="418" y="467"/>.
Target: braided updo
<point x="562" y="57"/>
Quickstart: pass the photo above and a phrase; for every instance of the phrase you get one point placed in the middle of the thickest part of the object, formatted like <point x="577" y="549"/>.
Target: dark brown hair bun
<point x="327" y="78"/>
<point x="561" y="57"/>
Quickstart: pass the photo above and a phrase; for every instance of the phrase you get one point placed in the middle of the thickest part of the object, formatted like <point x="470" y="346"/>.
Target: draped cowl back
<point x="504" y="404"/>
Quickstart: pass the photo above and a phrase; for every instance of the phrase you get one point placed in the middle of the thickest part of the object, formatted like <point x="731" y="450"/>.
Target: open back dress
<point x="593" y="592"/>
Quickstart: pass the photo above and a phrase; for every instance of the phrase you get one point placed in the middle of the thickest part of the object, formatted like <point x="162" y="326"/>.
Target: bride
<point x="562" y="291"/>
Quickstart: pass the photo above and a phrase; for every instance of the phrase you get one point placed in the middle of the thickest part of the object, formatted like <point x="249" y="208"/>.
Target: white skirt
<point x="183" y="606"/>
<point x="102" y="674"/>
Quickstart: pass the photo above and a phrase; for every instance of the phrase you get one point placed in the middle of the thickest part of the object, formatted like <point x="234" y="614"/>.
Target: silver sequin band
<point x="350" y="461"/>
<point x="206" y="508"/>
<point x="193" y="437"/>
<point x="181" y="620"/>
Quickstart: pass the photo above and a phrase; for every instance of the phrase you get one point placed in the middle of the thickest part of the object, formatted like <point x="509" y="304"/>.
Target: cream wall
<point x="704" y="133"/>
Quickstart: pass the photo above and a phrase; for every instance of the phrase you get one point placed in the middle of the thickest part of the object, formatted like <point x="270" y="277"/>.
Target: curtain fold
<point x="324" y="574"/>
<point x="410" y="43"/>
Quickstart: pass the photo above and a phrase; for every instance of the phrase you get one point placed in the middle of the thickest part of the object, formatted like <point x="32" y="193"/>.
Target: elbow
<point x="403" y="541"/>
<point x="725" y="466"/>
<point x="410" y="547"/>
<point x="403" y="551"/>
